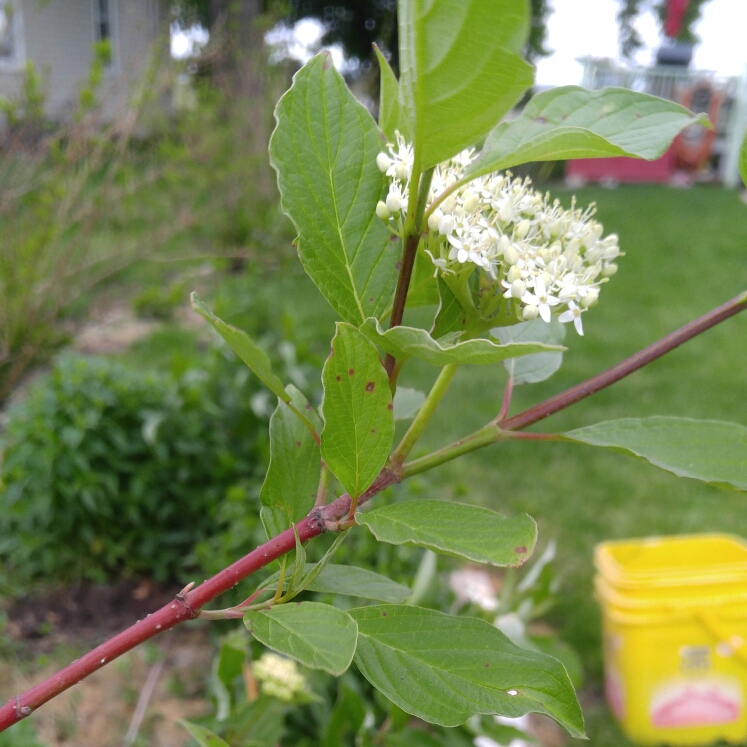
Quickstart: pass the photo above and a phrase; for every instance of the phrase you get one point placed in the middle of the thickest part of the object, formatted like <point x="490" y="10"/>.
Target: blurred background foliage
<point x="145" y="458"/>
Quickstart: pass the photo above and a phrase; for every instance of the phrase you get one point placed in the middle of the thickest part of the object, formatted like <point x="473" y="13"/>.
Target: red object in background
<point x="622" y="169"/>
<point x="675" y="15"/>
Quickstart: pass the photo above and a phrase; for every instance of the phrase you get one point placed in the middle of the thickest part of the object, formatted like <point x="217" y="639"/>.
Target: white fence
<point x="674" y="83"/>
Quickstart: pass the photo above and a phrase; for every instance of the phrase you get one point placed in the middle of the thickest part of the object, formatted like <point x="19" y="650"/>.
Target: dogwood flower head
<point x="279" y="677"/>
<point x="534" y="257"/>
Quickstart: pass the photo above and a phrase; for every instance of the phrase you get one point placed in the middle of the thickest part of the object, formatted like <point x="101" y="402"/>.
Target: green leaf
<point x="204" y="737"/>
<point x="346" y="718"/>
<point x="451" y="315"/>
<point x="445" y="669"/>
<point x="289" y="489"/>
<point x="572" y="122"/>
<point x="410" y="342"/>
<point x="390" y="115"/>
<point x="461" y="70"/>
<point x="351" y="581"/>
<point x="743" y="160"/>
<point x="324" y="150"/>
<point x="357" y="409"/>
<point x="316" y="635"/>
<point x="413" y="738"/>
<point x="471" y="532"/>
<point x="532" y="368"/>
<point x="407" y="402"/>
<point x="707" y="450"/>
<point x="245" y="348"/>
<point x="423" y="289"/>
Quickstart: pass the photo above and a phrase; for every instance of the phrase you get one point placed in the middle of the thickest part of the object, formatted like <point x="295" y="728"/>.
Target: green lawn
<point x="686" y="252"/>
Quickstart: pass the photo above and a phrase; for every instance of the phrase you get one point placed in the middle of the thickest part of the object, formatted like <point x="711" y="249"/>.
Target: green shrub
<point x="108" y="471"/>
<point x="156" y="302"/>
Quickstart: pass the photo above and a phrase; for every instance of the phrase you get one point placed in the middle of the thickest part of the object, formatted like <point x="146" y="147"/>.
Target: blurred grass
<point x="686" y="252"/>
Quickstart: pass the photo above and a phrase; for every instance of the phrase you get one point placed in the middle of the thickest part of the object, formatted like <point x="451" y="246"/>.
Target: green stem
<point x="488" y="434"/>
<point x="425" y="413"/>
<point x="322" y="490"/>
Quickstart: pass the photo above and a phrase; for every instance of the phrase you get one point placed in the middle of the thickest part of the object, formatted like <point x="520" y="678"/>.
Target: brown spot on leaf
<point x="637" y="115"/>
<point x="390" y="406"/>
<point x="327" y="61"/>
<point x="298" y="443"/>
<point x="370" y="386"/>
<point x="487" y="665"/>
<point x="540" y="120"/>
<point x="373" y="430"/>
<point x="338" y="377"/>
<point x="521" y="550"/>
<point x="393" y="238"/>
<point x="383" y="614"/>
<point x="351" y="371"/>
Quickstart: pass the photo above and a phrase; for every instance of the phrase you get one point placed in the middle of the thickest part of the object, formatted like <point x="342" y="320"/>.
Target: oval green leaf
<point x="572" y="122"/>
<point x="470" y="532"/>
<point x="532" y="368"/>
<point x="390" y="112"/>
<point x="445" y="669"/>
<point x="351" y="581"/>
<point x="289" y="490"/>
<point x="357" y="409"/>
<point x="324" y="150"/>
<point x="707" y="450"/>
<point x="204" y="737"/>
<point x="461" y="70"/>
<point x="316" y="635"/>
<point x="243" y="345"/>
<point x="411" y="342"/>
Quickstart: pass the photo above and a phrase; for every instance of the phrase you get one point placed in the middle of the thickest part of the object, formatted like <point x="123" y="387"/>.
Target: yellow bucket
<point x="674" y="612"/>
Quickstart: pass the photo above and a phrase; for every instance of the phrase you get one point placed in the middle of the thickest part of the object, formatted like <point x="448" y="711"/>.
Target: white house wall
<point x="58" y="36"/>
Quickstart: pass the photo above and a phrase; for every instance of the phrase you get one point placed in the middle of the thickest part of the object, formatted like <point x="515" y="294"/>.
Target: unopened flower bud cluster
<point x="543" y="259"/>
<point x="279" y="677"/>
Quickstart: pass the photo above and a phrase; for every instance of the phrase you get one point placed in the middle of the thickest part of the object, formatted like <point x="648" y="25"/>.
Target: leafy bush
<point x="109" y="471"/>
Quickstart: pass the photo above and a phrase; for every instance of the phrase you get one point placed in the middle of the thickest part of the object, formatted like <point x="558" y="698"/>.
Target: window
<point x="8" y="33"/>
<point x="102" y="20"/>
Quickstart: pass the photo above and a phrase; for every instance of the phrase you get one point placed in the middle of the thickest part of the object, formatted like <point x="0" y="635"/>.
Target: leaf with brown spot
<point x="358" y="422"/>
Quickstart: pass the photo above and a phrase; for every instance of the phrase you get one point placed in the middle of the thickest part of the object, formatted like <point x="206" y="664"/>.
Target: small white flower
<point x="573" y="314"/>
<point x="446" y="225"/>
<point x="541" y="298"/>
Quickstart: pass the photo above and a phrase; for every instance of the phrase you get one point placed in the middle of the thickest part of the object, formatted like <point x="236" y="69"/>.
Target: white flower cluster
<point x="540" y="258"/>
<point x="280" y="677"/>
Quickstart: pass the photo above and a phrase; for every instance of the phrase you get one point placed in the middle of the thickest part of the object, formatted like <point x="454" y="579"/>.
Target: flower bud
<point x="393" y="203"/>
<point x="382" y="211"/>
<point x="470" y="201"/>
<point x="446" y="225"/>
<point x="511" y="255"/>
<point x="503" y="243"/>
<point x="518" y="288"/>
<point x="383" y="162"/>
<point x="496" y="184"/>
<point x="609" y="270"/>
<point x="449" y="204"/>
<point x="402" y="172"/>
<point x="514" y="274"/>
<point x="434" y="219"/>
<point x="522" y="229"/>
<point x="529" y="312"/>
<point x="591" y="297"/>
<point x="506" y="213"/>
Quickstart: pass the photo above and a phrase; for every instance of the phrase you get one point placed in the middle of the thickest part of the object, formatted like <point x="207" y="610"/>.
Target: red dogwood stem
<point x="186" y="605"/>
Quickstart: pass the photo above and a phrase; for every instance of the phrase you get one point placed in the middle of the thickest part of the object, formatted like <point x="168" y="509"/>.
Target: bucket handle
<point x="721" y="632"/>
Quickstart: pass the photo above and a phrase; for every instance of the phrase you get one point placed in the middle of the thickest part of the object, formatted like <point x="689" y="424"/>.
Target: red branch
<point x="186" y="606"/>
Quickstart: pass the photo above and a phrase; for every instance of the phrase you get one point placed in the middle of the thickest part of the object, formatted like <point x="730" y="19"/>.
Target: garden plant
<point x="419" y="212"/>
